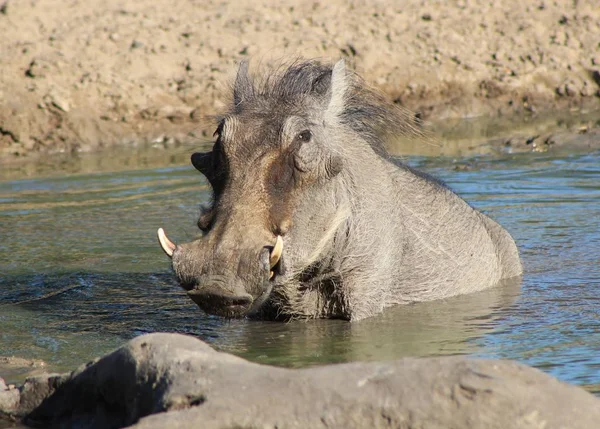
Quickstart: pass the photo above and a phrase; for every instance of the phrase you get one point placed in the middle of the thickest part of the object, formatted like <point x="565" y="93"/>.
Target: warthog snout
<point x="215" y="287"/>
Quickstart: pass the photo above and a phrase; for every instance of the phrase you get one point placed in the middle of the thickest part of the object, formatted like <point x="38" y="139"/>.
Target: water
<point x="81" y="271"/>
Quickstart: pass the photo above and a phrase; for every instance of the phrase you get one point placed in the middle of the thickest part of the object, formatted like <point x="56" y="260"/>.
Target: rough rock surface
<point x="172" y="380"/>
<point x="84" y="74"/>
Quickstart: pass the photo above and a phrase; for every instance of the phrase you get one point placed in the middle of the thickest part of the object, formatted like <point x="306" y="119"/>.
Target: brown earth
<point x="83" y="74"/>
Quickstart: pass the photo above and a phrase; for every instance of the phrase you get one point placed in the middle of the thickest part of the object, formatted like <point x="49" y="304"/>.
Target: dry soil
<point x="77" y="75"/>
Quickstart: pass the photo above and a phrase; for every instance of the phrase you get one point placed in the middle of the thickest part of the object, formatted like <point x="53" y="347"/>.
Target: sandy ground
<point x="76" y="75"/>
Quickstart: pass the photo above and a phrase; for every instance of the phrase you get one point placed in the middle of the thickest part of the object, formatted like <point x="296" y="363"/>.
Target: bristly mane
<point x="365" y="110"/>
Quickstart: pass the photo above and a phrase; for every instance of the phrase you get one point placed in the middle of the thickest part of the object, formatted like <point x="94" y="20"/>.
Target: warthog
<point x="310" y="217"/>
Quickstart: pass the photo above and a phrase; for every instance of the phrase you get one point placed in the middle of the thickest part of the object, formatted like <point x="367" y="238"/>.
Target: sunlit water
<point x="81" y="271"/>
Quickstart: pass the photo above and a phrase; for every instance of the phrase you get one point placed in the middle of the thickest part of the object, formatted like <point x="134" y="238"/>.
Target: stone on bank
<point x="177" y="381"/>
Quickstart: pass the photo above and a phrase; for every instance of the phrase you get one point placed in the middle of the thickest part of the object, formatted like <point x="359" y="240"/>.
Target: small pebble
<point x="136" y="44"/>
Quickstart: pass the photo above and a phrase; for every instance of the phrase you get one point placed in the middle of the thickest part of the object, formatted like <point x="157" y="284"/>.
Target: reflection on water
<point x="468" y="137"/>
<point x="446" y="327"/>
<point x="81" y="272"/>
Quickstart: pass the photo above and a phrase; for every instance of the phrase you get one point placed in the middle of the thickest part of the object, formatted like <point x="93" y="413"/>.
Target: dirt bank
<point x="83" y="74"/>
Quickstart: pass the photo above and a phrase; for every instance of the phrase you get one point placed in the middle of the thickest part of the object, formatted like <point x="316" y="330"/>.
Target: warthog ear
<point x="339" y="84"/>
<point x="243" y="88"/>
<point x="202" y="162"/>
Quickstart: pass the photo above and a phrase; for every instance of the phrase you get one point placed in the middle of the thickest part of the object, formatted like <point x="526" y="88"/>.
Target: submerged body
<point x="374" y="254"/>
<point x="311" y="217"/>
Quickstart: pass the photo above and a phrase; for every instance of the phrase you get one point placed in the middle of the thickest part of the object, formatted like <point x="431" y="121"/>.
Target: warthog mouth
<point x="214" y="296"/>
<point x="221" y="304"/>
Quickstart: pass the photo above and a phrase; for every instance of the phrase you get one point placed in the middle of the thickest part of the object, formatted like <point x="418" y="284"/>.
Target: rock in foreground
<point x="171" y="380"/>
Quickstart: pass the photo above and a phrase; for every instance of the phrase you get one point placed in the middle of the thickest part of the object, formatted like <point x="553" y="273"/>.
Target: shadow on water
<point x="439" y="328"/>
<point x="70" y="318"/>
<point x="118" y="158"/>
<point x="467" y="137"/>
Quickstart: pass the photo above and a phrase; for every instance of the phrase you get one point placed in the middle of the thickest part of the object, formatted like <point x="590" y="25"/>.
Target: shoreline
<point x="466" y="139"/>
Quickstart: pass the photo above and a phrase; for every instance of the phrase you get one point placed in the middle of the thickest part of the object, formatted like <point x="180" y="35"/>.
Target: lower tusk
<point x="276" y="252"/>
<point x="271" y="275"/>
<point x="167" y="245"/>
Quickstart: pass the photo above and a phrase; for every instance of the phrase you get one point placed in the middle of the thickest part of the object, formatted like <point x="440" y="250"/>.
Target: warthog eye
<point x="304" y="136"/>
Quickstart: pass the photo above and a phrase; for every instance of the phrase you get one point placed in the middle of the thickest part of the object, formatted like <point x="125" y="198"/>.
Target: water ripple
<point x="81" y="273"/>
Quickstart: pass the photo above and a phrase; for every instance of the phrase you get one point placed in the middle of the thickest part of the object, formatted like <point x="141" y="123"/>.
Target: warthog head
<point x="275" y="172"/>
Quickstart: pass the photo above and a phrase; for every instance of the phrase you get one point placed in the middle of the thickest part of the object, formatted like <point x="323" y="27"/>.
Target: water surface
<point x="81" y="271"/>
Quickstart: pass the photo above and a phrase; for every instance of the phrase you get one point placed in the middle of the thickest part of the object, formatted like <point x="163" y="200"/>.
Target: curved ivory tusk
<point x="167" y="245"/>
<point x="277" y="250"/>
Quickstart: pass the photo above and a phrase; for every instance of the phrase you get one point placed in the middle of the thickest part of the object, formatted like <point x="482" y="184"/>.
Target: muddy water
<point x="81" y="272"/>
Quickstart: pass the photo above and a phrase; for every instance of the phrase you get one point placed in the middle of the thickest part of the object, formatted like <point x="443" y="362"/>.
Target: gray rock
<point x="59" y="100"/>
<point x="171" y="380"/>
<point x="39" y="68"/>
<point x="15" y="368"/>
<point x="9" y="398"/>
